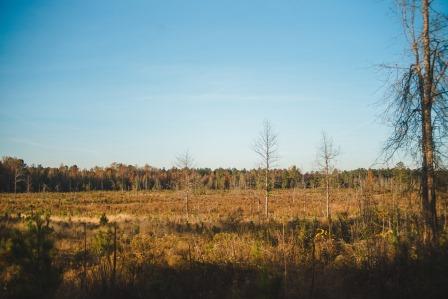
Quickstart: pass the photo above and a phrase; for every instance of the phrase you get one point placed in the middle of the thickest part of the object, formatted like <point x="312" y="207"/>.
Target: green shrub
<point x="103" y="242"/>
<point x="103" y="219"/>
<point x="26" y="260"/>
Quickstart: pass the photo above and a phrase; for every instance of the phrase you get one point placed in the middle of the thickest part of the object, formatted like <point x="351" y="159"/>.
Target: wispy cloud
<point x="225" y="97"/>
<point x="50" y="147"/>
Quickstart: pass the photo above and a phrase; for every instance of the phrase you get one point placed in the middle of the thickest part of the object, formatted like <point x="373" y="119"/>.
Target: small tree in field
<point x="266" y="147"/>
<point x="185" y="163"/>
<point x="327" y="155"/>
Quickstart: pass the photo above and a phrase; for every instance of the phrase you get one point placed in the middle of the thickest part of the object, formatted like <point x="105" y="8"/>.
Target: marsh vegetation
<point x="143" y="244"/>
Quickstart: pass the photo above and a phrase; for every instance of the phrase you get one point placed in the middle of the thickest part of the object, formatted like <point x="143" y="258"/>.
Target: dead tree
<point x="185" y="163"/>
<point x="266" y="146"/>
<point x="326" y="158"/>
<point x="18" y="177"/>
<point x="18" y="168"/>
<point x="418" y="101"/>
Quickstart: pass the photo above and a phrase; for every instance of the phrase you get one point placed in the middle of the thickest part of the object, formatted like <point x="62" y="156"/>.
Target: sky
<point x="95" y="82"/>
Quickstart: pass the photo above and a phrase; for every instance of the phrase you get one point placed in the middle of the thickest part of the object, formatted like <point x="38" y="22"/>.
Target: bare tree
<point x="418" y="101"/>
<point x="185" y="162"/>
<point x="19" y="172"/>
<point x="326" y="158"/>
<point x="266" y="146"/>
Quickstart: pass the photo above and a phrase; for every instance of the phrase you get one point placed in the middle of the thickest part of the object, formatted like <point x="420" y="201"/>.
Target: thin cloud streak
<point x="53" y="148"/>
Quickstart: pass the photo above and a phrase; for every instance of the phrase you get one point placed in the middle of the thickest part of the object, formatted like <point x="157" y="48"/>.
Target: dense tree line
<point x="17" y="176"/>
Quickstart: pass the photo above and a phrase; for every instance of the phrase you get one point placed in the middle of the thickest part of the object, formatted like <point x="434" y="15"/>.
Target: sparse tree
<point x="18" y="168"/>
<point x="326" y="158"/>
<point x="185" y="162"/>
<point x="418" y="106"/>
<point x="266" y="146"/>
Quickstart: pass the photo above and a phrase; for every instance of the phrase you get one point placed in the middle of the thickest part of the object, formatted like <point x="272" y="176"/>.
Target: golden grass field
<point x="225" y="247"/>
<point x="208" y="206"/>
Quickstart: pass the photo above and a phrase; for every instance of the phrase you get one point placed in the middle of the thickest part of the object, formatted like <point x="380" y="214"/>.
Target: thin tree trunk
<point x="285" y="270"/>
<point x="114" y="265"/>
<point x="266" y="194"/>
<point x="15" y="181"/>
<point x="313" y="267"/>
<point x="328" y="206"/>
<point x="327" y="183"/>
<point x="85" y="255"/>
<point x="186" y="204"/>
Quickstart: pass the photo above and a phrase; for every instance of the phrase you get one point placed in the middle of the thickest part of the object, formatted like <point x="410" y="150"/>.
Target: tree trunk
<point x="114" y="264"/>
<point x="85" y="256"/>
<point x="186" y="204"/>
<point x="428" y="187"/>
<point x="15" y="181"/>
<point x="266" y="194"/>
<point x="327" y="183"/>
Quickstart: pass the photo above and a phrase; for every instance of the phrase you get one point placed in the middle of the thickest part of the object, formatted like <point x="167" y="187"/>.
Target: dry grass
<point x="225" y="239"/>
<point x="210" y="206"/>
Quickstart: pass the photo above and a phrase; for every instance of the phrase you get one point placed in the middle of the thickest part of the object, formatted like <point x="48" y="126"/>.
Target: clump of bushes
<point x="103" y="219"/>
<point x="27" y="269"/>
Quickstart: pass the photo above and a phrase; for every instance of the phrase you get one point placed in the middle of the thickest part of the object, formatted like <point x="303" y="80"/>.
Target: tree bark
<point x="428" y="187"/>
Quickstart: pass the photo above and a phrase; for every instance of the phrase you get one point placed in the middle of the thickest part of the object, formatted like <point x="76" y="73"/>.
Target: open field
<point x="208" y="207"/>
<point x="224" y="149"/>
<point x="225" y="248"/>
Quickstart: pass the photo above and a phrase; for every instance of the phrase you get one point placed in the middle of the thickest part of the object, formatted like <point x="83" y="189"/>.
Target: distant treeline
<point x="16" y="176"/>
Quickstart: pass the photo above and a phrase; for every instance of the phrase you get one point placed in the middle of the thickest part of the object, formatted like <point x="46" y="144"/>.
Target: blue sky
<point x="93" y="82"/>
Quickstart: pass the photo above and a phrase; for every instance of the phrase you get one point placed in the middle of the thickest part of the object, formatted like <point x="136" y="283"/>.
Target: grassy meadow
<point x="144" y="245"/>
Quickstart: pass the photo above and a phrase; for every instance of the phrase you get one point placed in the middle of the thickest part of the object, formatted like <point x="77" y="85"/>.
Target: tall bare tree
<point x="266" y="146"/>
<point x="185" y="162"/>
<point x="418" y="106"/>
<point x="326" y="159"/>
